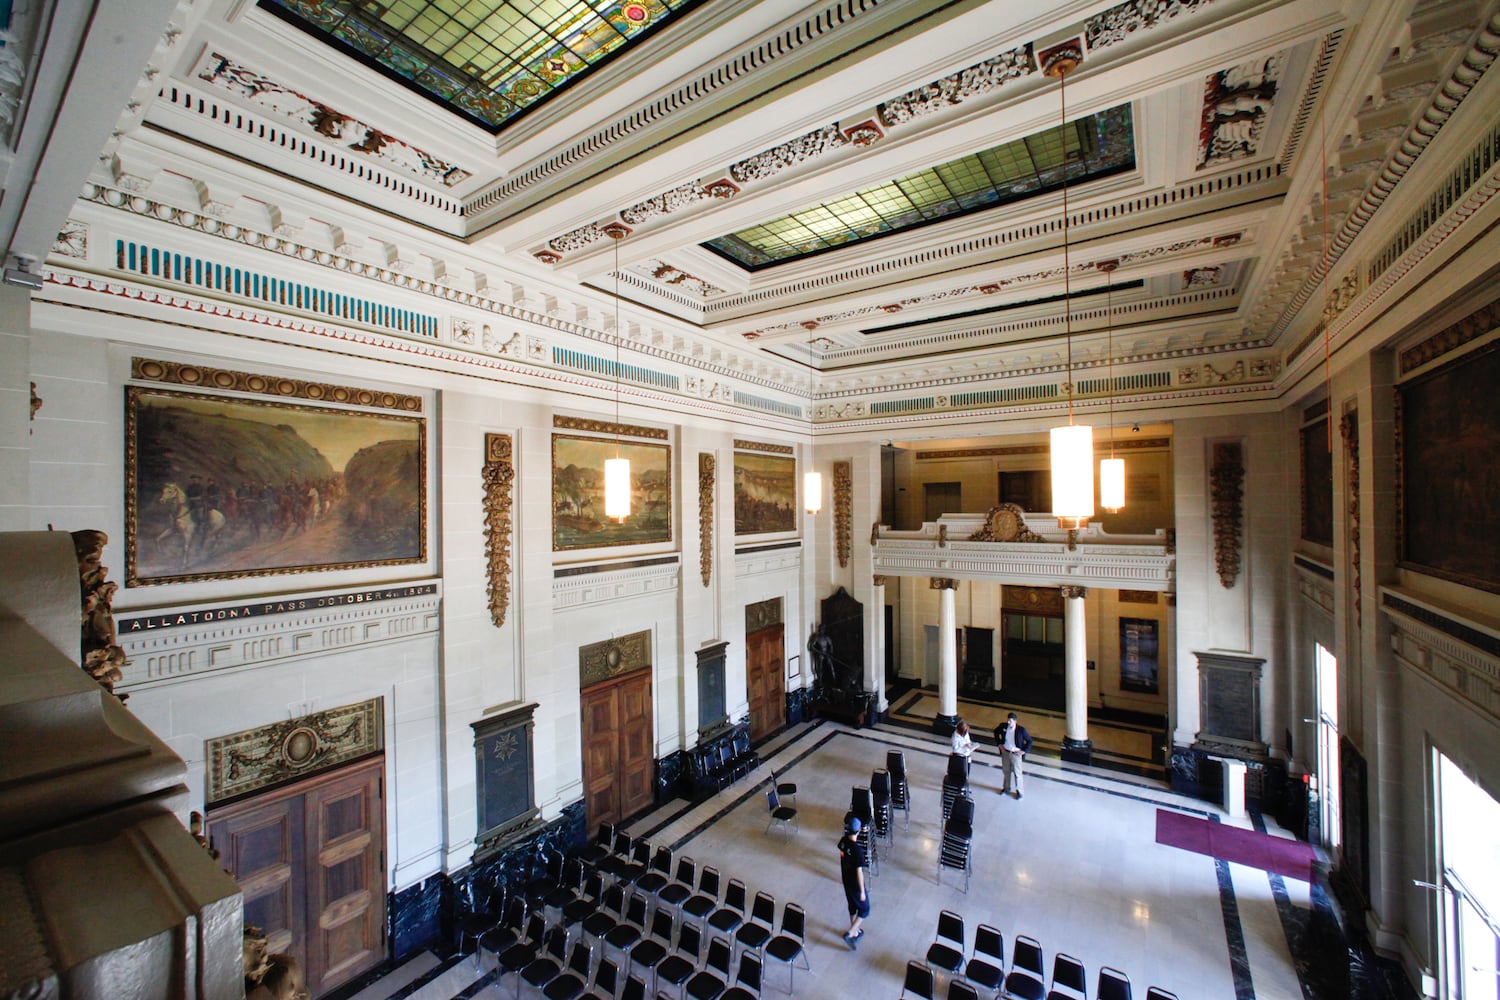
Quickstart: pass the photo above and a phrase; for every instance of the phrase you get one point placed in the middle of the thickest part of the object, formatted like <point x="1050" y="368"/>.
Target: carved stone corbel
<point x="1226" y="485"/>
<point x="499" y="475"/>
<point x="706" y="467"/>
<point x="843" y="509"/>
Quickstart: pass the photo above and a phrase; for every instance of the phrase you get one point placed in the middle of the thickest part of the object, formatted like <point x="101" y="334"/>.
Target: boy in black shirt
<point x="852" y="869"/>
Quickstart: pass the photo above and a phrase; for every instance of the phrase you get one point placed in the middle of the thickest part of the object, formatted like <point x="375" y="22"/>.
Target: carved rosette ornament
<point x="705" y="516"/>
<point x="1226" y="489"/>
<point x="499" y="476"/>
<point x="102" y="657"/>
<point x="1005" y="523"/>
<point x="843" y="509"/>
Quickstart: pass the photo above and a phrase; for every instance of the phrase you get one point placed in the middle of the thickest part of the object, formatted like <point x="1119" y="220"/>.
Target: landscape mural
<point x="765" y="493"/>
<point x="578" y="519"/>
<point x="219" y="487"/>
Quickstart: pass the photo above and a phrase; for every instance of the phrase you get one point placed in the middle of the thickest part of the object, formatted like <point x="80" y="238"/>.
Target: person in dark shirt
<point x="852" y="869"/>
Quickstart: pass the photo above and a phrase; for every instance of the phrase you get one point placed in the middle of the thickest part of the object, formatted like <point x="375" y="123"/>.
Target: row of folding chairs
<point x="1024" y="979"/>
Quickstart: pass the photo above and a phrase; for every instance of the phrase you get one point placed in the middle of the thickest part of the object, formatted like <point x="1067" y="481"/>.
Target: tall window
<point x="1470" y="861"/>
<point x="1328" y="745"/>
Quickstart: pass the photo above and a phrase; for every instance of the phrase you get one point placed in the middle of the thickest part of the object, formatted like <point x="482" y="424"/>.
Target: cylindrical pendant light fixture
<point x="812" y="491"/>
<point x="617" y="484"/>
<point x="1073" y="445"/>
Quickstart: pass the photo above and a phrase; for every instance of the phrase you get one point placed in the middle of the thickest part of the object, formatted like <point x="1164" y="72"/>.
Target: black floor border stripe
<point x="1234" y="933"/>
<point x="433" y="973"/>
<point x="478" y="985"/>
<point x="1293" y="925"/>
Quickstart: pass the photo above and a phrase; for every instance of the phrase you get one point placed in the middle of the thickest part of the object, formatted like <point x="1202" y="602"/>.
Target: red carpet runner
<point x="1231" y="843"/>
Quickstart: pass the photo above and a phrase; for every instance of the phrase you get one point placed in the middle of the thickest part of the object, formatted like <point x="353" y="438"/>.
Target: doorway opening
<point x="1035" y="660"/>
<point x="1467" y="817"/>
<point x="1326" y="669"/>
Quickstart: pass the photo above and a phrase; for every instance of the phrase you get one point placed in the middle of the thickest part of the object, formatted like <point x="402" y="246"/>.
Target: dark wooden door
<point x="310" y="859"/>
<point x="765" y="679"/>
<point x="346" y="898"/>
<point x="618" y="760"/>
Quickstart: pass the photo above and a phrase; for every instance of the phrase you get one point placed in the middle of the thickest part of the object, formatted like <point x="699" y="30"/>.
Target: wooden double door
<point x="765" y="679"/>
<point x="618" y="763"/>
<point x="310" y="859"/>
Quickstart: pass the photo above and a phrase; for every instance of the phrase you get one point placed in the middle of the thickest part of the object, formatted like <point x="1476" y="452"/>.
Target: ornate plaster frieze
<point x="170" y="644"/>
<point x="669" y="274"/>
<point x="1432" y="643"/>
<point x="1048" y="564"/>
<point x="1236" y="105"/>
<point x="1117" y="23"/>
<point x="607" y="586"/>
<point x="1444" y="98"/>
<point x="764" y="613"/>
<point x="499" y="476"/>
<point x="72" y="239"/>
<point x="315" y="118"/>
<point x="981" y="78"/>
<point x="1226" y="479"/>
<point x="741" y="444"/>
<point x="706" y="484"/>
<point x="843" y="509"/>
<point x="766" y="561"/>
<point x="678" y="197"/>
<point x="203" y="376"/>
<point x="615" y="657"/>
<point x="292" y="749"/>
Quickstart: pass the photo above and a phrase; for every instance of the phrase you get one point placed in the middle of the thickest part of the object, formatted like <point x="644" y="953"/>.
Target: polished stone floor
<point x="1075" y="864"/>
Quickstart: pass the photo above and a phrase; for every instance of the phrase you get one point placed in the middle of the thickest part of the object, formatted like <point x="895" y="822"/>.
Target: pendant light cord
<point x="1062" y="130"/>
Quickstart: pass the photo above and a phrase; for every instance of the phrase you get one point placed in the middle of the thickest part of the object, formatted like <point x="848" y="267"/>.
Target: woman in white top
<point x="963" y="743"/>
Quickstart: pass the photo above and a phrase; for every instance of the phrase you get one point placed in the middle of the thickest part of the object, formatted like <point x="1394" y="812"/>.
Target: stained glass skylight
<point x="1097" y="146"/>
<point x="490" y="60"/>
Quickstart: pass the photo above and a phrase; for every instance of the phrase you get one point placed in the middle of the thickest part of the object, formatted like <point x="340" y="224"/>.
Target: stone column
<point x="877" y="646"/>
<point x="1077" y="746"/>
<point x="947" y="717"/>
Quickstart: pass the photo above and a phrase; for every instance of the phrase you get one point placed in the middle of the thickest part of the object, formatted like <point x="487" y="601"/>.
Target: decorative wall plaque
<point x="257" y="759"/>
<point x="706" y="516"/>
<point x="1226" y="486"/>
<point x="499" y="475"/>
<point x="712" y="710"/>
<point x="602" y="661"/>
<point x="1229" y="704"/>
<point x="504" y="782"/>
<point x="843" y="508"/>
<point x="762" y="613"/>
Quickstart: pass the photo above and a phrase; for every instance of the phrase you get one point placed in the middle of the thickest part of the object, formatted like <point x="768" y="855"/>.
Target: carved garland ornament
<point x="1005" y="523"/>
<point x="499" y="475"/>
<point x="705" y="516"/>
<point x="1349" y="431"/>
<point x="843" y="508"/>
<point x="295" y="748"/>
<point x="1226" y="484"/>
<point x="602" y="661"/>
<point x="102" y="656"/>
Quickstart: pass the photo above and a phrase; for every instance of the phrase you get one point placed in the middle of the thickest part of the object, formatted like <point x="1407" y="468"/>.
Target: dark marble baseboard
<point x="415" y="914"/>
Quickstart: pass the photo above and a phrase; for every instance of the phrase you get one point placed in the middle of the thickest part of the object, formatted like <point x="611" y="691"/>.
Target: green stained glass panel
<point x="487" y="59"/>
<point x="1097" y="146"/>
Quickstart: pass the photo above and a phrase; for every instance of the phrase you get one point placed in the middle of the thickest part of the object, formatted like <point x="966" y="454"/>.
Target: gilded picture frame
<point x="219" y="487"/>
<point x="578" y="520"/>
<point x="765" y="493"/>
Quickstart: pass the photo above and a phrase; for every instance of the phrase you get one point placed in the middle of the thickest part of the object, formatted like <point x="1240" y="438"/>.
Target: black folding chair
<point x="918" y="982"/>
<point x="790" y="944"/>
<point x="783" y="817"/>
<point x="987" y="964"/>
<point x="1027" y="970"/>
<point x="895" y="763"/>
<point x="947" y="949"/>
<point x="1068" y="979"/>
<point x="746" y="981"/>
<point x="1113" y="984"/>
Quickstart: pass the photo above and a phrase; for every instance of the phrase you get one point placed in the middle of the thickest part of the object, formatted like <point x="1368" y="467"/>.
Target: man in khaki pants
<point x="1014" y="741"/>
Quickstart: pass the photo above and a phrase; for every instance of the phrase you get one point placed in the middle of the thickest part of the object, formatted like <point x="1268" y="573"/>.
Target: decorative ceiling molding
<point x="313" y="117"/>
<point x="1113" y="25"/>
<point x="1236" y="104"/>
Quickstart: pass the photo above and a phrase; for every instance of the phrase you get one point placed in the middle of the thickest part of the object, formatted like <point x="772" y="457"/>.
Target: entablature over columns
<point x="1041" y="554"/>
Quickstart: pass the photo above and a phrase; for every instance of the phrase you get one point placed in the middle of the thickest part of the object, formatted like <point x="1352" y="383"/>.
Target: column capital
<point x="1073" y="591"/>
<point x="942" y="583"/>
<point x="879" y="580"/>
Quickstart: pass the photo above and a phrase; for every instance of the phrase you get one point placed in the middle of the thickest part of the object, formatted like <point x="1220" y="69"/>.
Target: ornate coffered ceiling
<point x="730" y="115"/>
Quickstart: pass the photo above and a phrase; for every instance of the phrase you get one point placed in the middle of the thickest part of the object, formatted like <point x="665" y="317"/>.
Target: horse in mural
<point x="187" y="524"/>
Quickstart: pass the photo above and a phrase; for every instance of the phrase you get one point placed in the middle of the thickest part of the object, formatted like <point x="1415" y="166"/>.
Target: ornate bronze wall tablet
<point x="602" y="661"/>
<point x="504" y="776"/>
<point x="257" y="759"/>
<point x="499" y="475"/>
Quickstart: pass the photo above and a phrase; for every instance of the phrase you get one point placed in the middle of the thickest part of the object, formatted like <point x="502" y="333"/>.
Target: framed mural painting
<point x="578" y="520"/>
<point x="765" y="493"/>
<point x="1139" y="644"/>
<point x="222" y="487"/>
<point x="1448" y="460"/>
